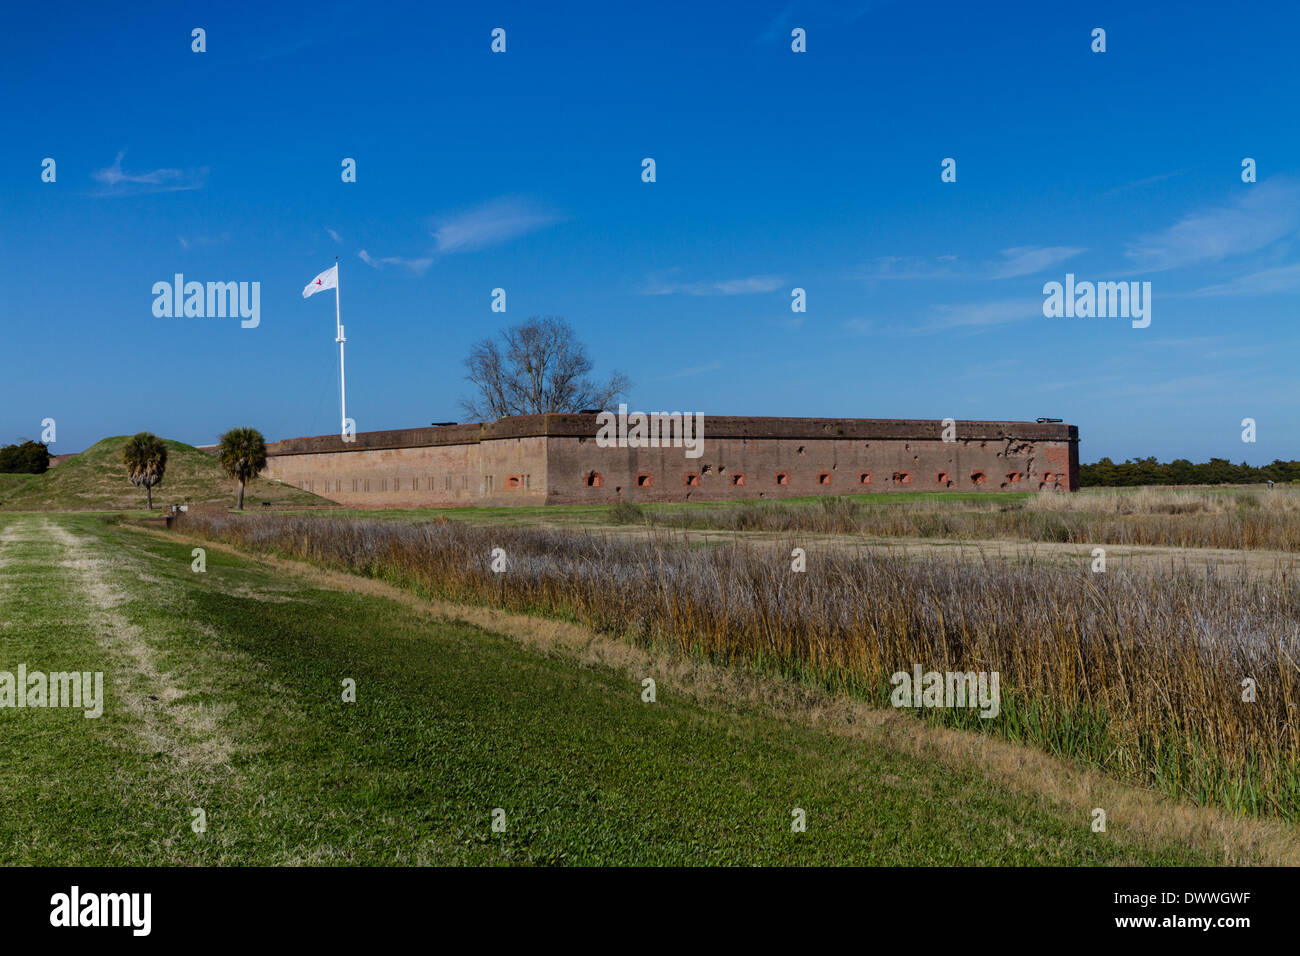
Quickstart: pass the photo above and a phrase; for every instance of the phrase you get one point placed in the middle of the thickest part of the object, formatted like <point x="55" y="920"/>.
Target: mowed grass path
<point x="224" y="693"/>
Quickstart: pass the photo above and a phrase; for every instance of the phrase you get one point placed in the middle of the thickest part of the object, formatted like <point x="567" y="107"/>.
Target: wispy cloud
<point x="1214" y="347"/>
<point x="334" y="235"/>
<point x="748" y="285"/>
<point x="837" y="12"/>
<point x="1260" y="282"/>
<point x="979" y="315"/>
<point x="1208" y="386"/>
<point x="490" y="224"/>
<point x="1028" y="260"/>
<point x="416" y="265"/>
<point x="778" y="25"/>
<point x="487" y="225"/>
<point x="188" y="242"/>
<point x="911" y="267"/>
<point x="1265" y="213"/>
<point x="1016" y="261"/>
<point x="117" y="181"/>
<point x="1140" y="183"/>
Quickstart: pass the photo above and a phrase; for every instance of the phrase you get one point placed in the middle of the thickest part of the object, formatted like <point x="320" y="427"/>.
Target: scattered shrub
<point x="625" y="512"/>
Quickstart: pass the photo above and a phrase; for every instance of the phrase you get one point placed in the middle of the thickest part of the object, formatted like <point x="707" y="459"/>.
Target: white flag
<point x="329" y="279"/>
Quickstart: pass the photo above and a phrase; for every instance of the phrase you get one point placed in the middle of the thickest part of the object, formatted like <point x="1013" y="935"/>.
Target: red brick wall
<point x="439" y="476"/>
<point x="811" y="467"/>
<point x="554" y="459"/>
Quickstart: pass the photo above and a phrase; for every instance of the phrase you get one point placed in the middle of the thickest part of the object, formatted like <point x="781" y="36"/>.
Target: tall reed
<point x="1267" y="521"/>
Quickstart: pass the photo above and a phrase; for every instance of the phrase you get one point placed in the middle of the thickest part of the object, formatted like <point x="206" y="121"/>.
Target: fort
<point x="555" y="459"/>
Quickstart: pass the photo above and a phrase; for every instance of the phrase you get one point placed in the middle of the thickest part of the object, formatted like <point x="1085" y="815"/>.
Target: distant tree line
<point x="1216" y="471"/>
<point x="29" y="458"/>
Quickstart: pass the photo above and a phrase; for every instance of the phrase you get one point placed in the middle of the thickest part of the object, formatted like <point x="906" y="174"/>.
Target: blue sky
<point x="775" y="170"/>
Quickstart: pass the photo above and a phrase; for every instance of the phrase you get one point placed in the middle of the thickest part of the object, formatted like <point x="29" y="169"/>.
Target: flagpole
<point x="338" y="324"/>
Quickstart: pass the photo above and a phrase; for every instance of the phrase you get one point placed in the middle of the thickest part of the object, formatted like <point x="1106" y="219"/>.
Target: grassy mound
<point x="96" y="480"/>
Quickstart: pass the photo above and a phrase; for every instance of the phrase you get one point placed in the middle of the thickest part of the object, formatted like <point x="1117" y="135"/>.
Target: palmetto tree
<point x="145" y="456"/>
<point x="242" y="453"/>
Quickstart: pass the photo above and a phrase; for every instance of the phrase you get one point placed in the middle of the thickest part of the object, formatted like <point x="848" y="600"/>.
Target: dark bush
<point x="29" y="458"/>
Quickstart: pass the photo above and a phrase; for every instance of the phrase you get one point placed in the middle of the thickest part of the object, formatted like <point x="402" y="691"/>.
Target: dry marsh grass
<point x="1138" y="674"/>
<point x="1266" y="520"/>
<point x="1169" y="501"/>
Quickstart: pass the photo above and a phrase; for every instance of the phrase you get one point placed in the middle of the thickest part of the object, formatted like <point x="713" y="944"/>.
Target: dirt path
<point x="188" y="734"/>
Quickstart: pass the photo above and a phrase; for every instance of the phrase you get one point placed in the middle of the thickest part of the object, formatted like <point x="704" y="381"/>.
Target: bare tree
<point x="537" y="367"/>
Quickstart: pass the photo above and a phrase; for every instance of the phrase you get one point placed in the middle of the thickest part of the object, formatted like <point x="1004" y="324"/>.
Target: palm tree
<point x="242" y="453"/>
<point x="145" y="456"/>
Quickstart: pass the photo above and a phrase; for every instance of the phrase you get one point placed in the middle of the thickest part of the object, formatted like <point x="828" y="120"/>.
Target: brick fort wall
<point x="555" y="459"/>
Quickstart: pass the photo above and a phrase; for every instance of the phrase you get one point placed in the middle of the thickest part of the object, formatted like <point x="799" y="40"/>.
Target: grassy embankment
<point x="95" y="480"/>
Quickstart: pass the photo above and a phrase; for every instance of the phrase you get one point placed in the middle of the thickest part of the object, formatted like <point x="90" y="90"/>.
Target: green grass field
<point x="223" y="692"/>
